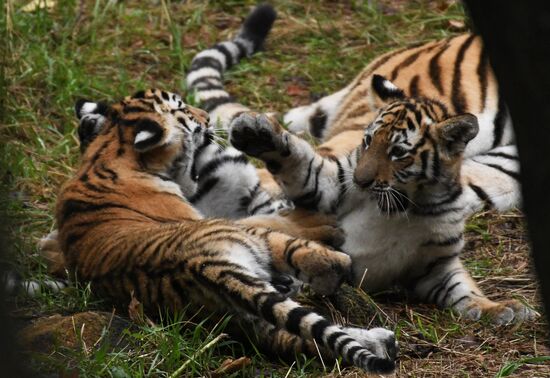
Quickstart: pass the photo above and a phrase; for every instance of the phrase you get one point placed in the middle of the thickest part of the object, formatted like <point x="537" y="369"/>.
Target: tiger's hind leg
<point x="449" y="285"/>
<point x="316" y="118"/>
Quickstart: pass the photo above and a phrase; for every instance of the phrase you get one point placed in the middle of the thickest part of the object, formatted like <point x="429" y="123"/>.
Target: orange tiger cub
<point x="126" y="227"/>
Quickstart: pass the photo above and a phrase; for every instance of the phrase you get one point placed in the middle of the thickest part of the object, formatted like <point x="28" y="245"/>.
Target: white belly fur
<point x="385" y="246"/>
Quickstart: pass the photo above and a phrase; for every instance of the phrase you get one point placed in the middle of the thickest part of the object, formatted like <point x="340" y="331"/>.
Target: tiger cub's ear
<point x="148" y="134"/>
<point x="91" y="116"/>
<point x="456" y="132"/>
<point x="385" y="89"/>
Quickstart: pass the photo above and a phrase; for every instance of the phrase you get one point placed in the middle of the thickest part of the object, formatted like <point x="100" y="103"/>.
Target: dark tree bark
<point x="517" y="37"/>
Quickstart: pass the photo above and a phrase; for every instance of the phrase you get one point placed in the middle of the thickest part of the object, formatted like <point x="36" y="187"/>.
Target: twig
<point x="199" y="352"/>
<point x="320" y="357"/>
<point x="289" y="369"/>
<point x="362" y="278"/>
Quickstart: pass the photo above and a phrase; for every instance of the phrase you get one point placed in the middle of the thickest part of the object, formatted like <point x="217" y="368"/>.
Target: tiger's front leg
<point x="323" y="269"/>
<point x="448" y="284"/>
<point x="307" y="178"/>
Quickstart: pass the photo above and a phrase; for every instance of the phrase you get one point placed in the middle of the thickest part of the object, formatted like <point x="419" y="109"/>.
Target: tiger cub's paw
<point x="257" y="134"/>
<point x="501" y="313"/>
<point x="379" y="341"/>
<point x="286" y="284"/>
<point x="324" y="270"/>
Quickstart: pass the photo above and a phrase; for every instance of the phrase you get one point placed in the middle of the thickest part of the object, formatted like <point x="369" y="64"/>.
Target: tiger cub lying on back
<point x="403" y="163"/>
<point x="126" y="227"/>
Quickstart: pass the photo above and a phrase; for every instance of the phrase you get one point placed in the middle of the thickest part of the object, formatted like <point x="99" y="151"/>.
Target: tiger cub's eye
<point x="366" y="140"/>
<point x="398" y="152"/>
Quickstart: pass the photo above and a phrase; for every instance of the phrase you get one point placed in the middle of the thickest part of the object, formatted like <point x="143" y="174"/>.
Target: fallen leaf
<point x="230" y="366"/>
<point x="296" y="90"/>
<point x="135" y="311"/>
<point x="456" y="24"/>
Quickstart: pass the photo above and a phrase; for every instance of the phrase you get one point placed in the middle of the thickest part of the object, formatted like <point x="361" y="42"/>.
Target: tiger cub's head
<point x="153" y="129"/>
<point x="412" y="150"/>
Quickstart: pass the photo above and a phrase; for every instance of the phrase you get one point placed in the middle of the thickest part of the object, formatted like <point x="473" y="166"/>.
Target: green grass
<point x="105" y="49"/>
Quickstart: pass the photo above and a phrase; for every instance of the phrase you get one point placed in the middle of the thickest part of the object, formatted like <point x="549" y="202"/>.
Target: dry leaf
<point x="230" y="366"/>
<point x="456" y="24"/>
<point x="135" y="310"/>
<point x="296" y="90"/>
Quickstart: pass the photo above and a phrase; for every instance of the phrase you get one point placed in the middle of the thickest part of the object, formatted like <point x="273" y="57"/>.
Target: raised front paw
<point x="257" y="134"/>
<point x="500" y="313"/>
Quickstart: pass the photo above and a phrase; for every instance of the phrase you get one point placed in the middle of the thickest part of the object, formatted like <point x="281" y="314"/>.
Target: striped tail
<point x="205" y="77"/>
<point x="354" y="345"/>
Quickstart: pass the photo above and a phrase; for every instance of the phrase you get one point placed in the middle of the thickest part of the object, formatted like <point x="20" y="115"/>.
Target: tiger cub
<point x="402" y="165"/>
<point x="126" y="227"/>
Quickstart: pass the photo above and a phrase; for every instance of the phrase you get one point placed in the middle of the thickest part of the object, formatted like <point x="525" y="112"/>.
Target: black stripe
<point x="341" y="184"/>
<point x="228" y="57"/>
<point x="435" y="68"/>
<point x="342" y="344"/>
<point x="331" y="340"/>
<point x="459" y="300"/>
<point x="206" y="86"/>
<point x="318" y="122"/>
<point x="113" y="175"/>
<point x="514" y="175"/>
<point x="442" y="283"/>
<point x="483" y="75"/>
<point x="206" y="61"/>
<point x="256" y="208"/>
<point x="241" y="48"/>
<point x="482" y="195"/>
<point x="424" y="155"/>
<point x="290" y="249"/>
<point x="500" y="122"/>
<point x="413" y="87"/>
<point x="318" y="329"/>
<point x="351" y="352"/>
<point x="212" y="103"/>
<point x="408" y="61"/>
<point x="448" y="292"/>
<point x="436" y="212"/>
<point x="294" y="318"/>
<point x="436" y="166"/>
<point x="215" y="164"/>
<point x="97" y="188"/>
<point x="502" y="155"/>
<point x="308" y="172"/>
<point x="205" y="79"/>
<point x="207" y="186"/>
<point x="430" y="267"/>
<point x="242" y="277"/>
<point x="434" y="207"/>
<point x="457" y="96"/>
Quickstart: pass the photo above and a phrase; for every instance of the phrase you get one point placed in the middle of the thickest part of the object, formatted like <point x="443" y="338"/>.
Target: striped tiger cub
<point x="126" y="226"/>
<point x="411" y="148"/>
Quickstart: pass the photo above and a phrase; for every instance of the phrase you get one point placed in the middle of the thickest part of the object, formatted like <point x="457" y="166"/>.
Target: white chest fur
<point x="387" y="249"/>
